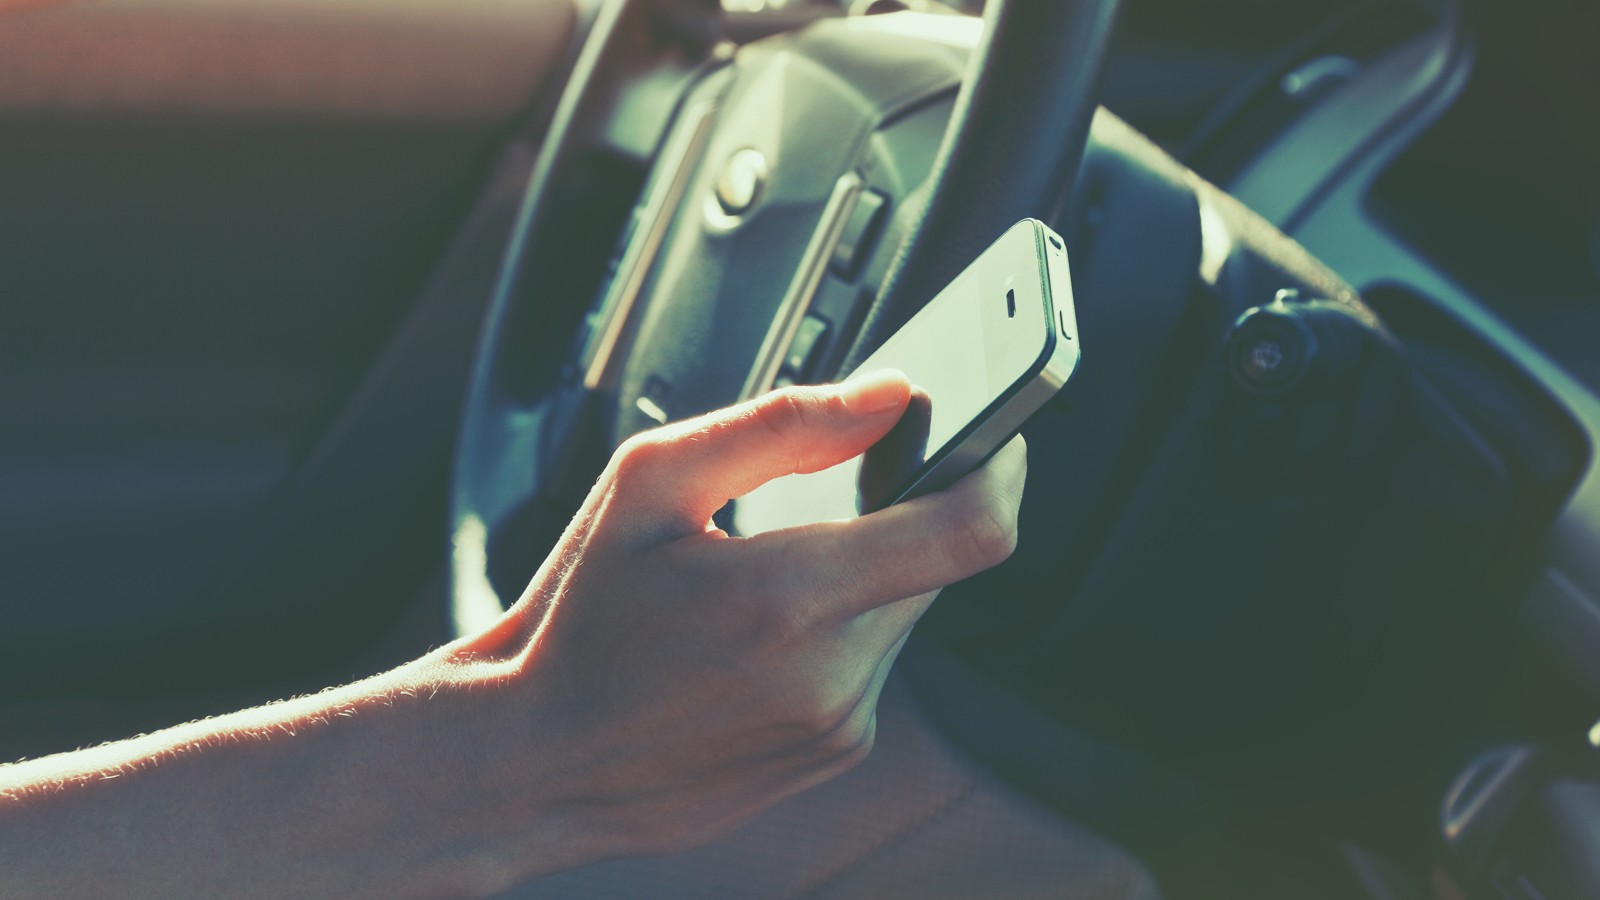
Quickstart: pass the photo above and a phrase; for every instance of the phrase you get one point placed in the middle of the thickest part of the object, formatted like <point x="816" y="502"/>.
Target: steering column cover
<point x="724" y="289"/>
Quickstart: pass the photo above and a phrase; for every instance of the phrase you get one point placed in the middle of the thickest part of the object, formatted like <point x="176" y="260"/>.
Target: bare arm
<point x="658" y="684"/>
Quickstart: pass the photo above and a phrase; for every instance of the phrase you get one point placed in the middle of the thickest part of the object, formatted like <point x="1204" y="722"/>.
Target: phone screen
<point x="961" y="352"/>
<point x="945" y="353"/>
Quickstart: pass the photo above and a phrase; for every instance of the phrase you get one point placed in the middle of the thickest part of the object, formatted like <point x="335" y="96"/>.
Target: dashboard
<point x="1448" y="167"/>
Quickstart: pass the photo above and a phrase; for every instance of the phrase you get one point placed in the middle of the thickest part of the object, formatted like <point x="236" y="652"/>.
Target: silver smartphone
<point x="985" y="354"/>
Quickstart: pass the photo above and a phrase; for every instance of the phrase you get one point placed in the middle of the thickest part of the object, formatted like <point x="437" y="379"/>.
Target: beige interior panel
<point x="409" y="59"/>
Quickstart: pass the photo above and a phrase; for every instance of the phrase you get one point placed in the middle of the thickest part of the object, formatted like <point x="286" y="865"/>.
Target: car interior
<point x="321" y="316"/>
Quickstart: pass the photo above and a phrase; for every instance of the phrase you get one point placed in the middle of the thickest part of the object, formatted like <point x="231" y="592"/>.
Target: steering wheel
<point x="790" y="217"/>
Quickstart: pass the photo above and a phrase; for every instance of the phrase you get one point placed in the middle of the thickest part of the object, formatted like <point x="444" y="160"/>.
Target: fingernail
<point x="874" y="392"/>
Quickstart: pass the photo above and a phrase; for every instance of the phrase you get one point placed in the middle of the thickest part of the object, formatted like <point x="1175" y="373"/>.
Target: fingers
<point x="687" y="471"/>
<point x="844" y="569"/>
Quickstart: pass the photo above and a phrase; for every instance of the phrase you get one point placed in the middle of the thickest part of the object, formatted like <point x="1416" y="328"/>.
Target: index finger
<point x="681" y="474"/>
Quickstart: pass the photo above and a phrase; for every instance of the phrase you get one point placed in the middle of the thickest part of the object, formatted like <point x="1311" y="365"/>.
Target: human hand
<point x="666" y="681"/>
<point x="659" y="683"/>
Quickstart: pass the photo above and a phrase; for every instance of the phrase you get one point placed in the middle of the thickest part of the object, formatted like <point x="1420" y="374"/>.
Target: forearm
<point x="354" y="792"/>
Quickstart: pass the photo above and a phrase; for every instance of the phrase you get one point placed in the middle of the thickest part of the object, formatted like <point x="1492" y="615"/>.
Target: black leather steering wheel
<point x="701" y="298"/>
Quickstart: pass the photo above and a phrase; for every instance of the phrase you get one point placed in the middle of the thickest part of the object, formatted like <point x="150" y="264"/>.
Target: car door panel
<point x="214" y="219"/>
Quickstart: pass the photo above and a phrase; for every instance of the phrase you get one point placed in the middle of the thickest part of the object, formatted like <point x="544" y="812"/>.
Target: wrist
<point x="486" y="800"/>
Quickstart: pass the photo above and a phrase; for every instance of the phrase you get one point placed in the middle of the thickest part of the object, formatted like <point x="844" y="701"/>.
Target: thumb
<point x="688" y="470"/>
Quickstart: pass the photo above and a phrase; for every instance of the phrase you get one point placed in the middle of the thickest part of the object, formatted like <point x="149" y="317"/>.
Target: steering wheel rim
<point x="1011" y="149"/>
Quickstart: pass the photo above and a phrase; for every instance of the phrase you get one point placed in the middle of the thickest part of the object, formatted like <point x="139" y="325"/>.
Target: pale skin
<point x="658" y="684"/>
